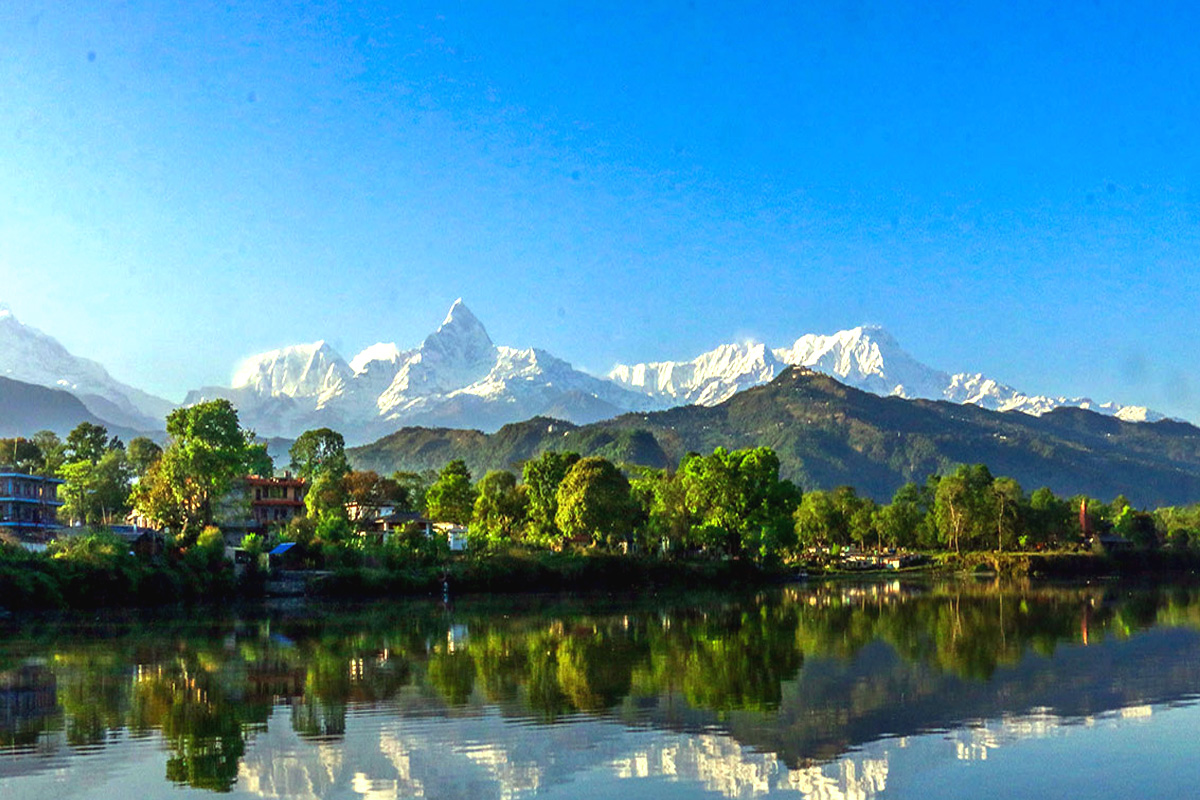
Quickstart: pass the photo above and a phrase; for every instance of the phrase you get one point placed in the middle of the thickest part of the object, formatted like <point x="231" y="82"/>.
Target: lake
<point x="881" y="689"/>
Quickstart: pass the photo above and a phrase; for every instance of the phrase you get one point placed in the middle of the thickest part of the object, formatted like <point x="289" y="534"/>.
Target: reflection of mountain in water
<point x="797" y="690"/>
<point x="488" y="757"/>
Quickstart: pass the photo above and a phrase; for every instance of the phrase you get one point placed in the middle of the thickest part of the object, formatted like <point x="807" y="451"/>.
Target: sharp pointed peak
<point x="458" y="312"/>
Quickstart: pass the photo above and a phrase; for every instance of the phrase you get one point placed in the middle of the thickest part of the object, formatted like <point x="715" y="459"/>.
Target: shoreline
<point x="46" y="587"/>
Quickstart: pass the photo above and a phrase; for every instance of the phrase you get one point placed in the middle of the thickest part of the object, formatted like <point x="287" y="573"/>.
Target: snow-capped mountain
<point x="30" y="356"/>
<point x="866" y="357"/>
<point x="457" y="377"/>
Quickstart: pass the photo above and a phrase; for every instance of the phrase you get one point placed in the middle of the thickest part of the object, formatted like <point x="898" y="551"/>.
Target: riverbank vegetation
<point x="557" y="521"/>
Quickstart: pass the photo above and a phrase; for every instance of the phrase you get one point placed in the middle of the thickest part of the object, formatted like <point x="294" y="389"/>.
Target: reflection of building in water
<point x="28" y="701"/>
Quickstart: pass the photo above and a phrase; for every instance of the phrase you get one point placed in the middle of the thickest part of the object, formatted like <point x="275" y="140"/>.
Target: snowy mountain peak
<point x="460" y="340"/>
<point x="303" y="370"/>
<point x="867" y="357"/>
<point x="459" y="310"/>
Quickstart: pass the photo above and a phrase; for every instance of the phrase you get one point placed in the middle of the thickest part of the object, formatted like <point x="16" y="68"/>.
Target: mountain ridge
<point x="458" y="377"/>
<point x="828" y="434"/>
<point x="866" y="357"/>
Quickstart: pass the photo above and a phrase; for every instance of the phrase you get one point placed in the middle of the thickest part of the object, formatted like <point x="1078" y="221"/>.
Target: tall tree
<point x="594" y="503"/>
<point x="542" y="477"/>
<point x="1007" y="501"/>
<point x="320" y="450"/>
<point x="964" y="507"/>
<point x="738" y="502"/>
<point x="142" y="452"/>
<point x="20" y="452"/>
<point x="452" y="497"/>
<point x="499" y="510"/>
<point x="207" y="450"/>
<point x="666" y="524"/>
<point x="88" y="442"/>
<point x="819" y="522"/>
<point x="1050" y="518"/>
<point x="54" y="452"/>
<point x="96" y="493"/>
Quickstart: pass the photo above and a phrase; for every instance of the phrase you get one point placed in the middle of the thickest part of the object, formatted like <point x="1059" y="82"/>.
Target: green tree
<point x="317" y="451"/>
<point x="96" y="493"/>
<point x="594" y="503"/>
<point x="414" y="485"/>
<point x="1049" y="519"/>
<point x="20" y="452"/>
<point x="819" y="522"/>
<point x="1136" y="526"/>
<point x="964" y="507"/>
<point x="1007" y="500"/>
<point x="54" y="452"/>
<point x="500" y="508"/>
<point x="207" y="450"/>
<point x="667" y="524"/>
<point x="88" y="442"/>
<point x="903" y="522"/>
<point x="737" y="502"/>
<point x="452" y="497"/>
<point x="326" y="495"/>
<point x="542" y="477"/>
<point x="142" y="452"/>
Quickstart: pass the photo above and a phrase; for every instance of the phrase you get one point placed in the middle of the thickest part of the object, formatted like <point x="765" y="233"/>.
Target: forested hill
<point x="827" y="434"/>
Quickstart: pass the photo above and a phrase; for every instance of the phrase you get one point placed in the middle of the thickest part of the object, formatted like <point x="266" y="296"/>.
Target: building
<point x="275" y="501"/>
<point x="391" y="521"/>
<point x="256" y="504"/>
<point x="28" y="503"/>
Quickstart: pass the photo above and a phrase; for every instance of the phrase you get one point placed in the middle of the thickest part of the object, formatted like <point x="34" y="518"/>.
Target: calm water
<point x="844" y="691"/>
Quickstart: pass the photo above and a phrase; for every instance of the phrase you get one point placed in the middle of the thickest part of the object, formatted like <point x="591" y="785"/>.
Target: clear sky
<point x="1012" y="188"/>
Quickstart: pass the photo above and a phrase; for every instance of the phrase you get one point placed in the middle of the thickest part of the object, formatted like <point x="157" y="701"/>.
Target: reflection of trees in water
<point x="202" y="722"/>
<point x="207" y="693"/>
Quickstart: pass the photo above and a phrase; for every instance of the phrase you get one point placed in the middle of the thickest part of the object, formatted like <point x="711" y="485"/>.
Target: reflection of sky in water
<point x="1137" y="752"/>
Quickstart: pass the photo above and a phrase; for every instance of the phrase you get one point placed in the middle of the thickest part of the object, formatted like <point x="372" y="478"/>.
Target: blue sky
<point x="1013" y="188"/>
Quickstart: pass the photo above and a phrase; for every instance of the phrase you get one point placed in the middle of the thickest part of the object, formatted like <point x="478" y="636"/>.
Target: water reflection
<point x="814" y="691"/>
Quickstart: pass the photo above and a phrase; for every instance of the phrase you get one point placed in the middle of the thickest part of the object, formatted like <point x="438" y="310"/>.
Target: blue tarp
<point x="283" y="548"/>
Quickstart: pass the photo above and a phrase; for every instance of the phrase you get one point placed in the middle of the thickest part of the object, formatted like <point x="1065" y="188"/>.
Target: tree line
<point x="722" y="504"/>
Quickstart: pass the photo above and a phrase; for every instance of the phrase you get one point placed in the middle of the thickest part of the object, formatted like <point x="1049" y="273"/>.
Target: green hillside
<point x="827" y="434"/>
